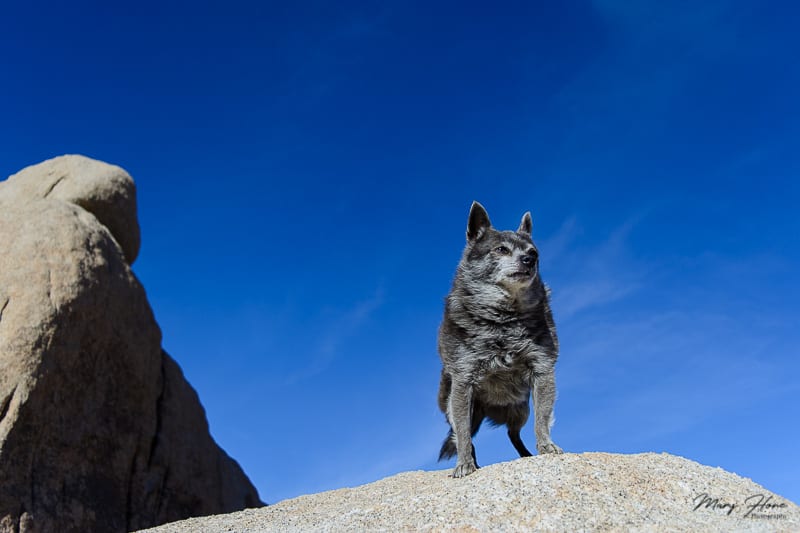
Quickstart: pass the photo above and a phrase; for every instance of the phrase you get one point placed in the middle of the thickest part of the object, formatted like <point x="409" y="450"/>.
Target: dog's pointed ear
<point x="478" y="222"/>
<point x="525" y="226"/>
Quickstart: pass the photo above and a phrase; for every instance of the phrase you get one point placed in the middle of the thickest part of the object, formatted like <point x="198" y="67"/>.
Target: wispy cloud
<point x="587" y="276"/>
<point x="703" y="341"/>
<point x="556" y="245"/>
<point x="664" y="374"/>
<point x="335" y="333"/>
<point x="627" y="94"/>
<point x="399" y="449"/>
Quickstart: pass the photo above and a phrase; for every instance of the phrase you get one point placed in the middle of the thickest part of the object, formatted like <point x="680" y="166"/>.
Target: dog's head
<point x="505" y="258"/>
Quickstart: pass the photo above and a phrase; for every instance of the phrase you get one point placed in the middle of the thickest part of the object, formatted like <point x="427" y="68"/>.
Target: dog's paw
<point x="465" y="469"/>
<point x="548" y="447"/>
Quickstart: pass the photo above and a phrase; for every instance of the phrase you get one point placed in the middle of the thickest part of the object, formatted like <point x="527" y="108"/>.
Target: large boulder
<point x="99" y="430"/>
<point x="569" y="492"/>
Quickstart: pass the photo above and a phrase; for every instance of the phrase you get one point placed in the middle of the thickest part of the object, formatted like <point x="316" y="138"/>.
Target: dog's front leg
<point x="544" y="396"/>
<point x="459" y="411"/>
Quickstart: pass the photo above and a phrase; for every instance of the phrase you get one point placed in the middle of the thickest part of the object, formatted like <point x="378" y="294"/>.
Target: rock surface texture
<point x="99" y="430"/>
<point x="571" y="492"/>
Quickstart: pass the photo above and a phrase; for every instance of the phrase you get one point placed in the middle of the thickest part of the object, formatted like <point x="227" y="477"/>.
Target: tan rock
<point x="99" y="431"/>
<point x="104" y="190"/>
<point x="570" y="492"/>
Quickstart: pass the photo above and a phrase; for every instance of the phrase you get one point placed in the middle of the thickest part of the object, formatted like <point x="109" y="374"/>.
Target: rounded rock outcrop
<point x="106" y="191"/>
<point x="99" y="430"/>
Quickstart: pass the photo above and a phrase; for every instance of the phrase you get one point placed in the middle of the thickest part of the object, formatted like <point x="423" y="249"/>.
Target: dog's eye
<point x="502" y="250"/>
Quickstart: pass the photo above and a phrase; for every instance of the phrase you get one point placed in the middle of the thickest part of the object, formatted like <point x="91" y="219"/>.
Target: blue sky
<point x="305" y="170"/>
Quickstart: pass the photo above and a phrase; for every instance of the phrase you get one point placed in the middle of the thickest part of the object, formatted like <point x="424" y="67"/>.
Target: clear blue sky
<point x="305" y="171"/>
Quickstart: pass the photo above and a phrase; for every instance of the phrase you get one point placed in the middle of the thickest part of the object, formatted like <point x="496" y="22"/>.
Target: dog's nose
<point x="526" y="260"/>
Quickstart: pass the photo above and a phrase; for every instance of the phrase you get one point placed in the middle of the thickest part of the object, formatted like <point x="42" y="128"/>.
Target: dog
<point x="497" y="342"/>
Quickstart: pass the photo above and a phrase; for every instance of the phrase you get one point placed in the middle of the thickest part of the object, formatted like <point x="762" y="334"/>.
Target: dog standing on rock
<point x="497" y="342"/>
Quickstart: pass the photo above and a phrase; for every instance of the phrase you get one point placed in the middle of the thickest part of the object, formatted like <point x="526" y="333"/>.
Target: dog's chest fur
<point x="504" y="349"/>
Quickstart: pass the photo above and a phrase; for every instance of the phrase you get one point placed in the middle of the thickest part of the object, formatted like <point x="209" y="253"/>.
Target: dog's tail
<point x="448" y="446"/>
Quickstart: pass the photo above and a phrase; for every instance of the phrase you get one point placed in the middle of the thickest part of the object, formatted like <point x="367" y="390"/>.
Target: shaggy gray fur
<point x="497" y="342"/>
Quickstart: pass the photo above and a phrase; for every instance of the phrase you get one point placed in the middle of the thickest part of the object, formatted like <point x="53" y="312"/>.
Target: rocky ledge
<point x="570" y="492"/>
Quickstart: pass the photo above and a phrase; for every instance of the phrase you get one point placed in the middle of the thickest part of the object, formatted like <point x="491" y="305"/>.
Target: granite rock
<point x="99" y="430"/>
<point x="570" y="492"/>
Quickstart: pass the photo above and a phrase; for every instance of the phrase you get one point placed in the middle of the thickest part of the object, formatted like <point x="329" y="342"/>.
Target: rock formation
<point x="99" y="430"/>
<point x="570" y="492"/>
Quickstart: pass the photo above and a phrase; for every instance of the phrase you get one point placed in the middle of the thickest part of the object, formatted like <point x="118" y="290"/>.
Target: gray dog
<point x="497" y="342"/>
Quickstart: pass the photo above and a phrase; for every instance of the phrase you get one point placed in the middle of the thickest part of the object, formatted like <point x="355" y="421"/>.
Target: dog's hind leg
<point x="516" y="440"/>
<point x="514" y="417"/>
<point x="517" y="416"/>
